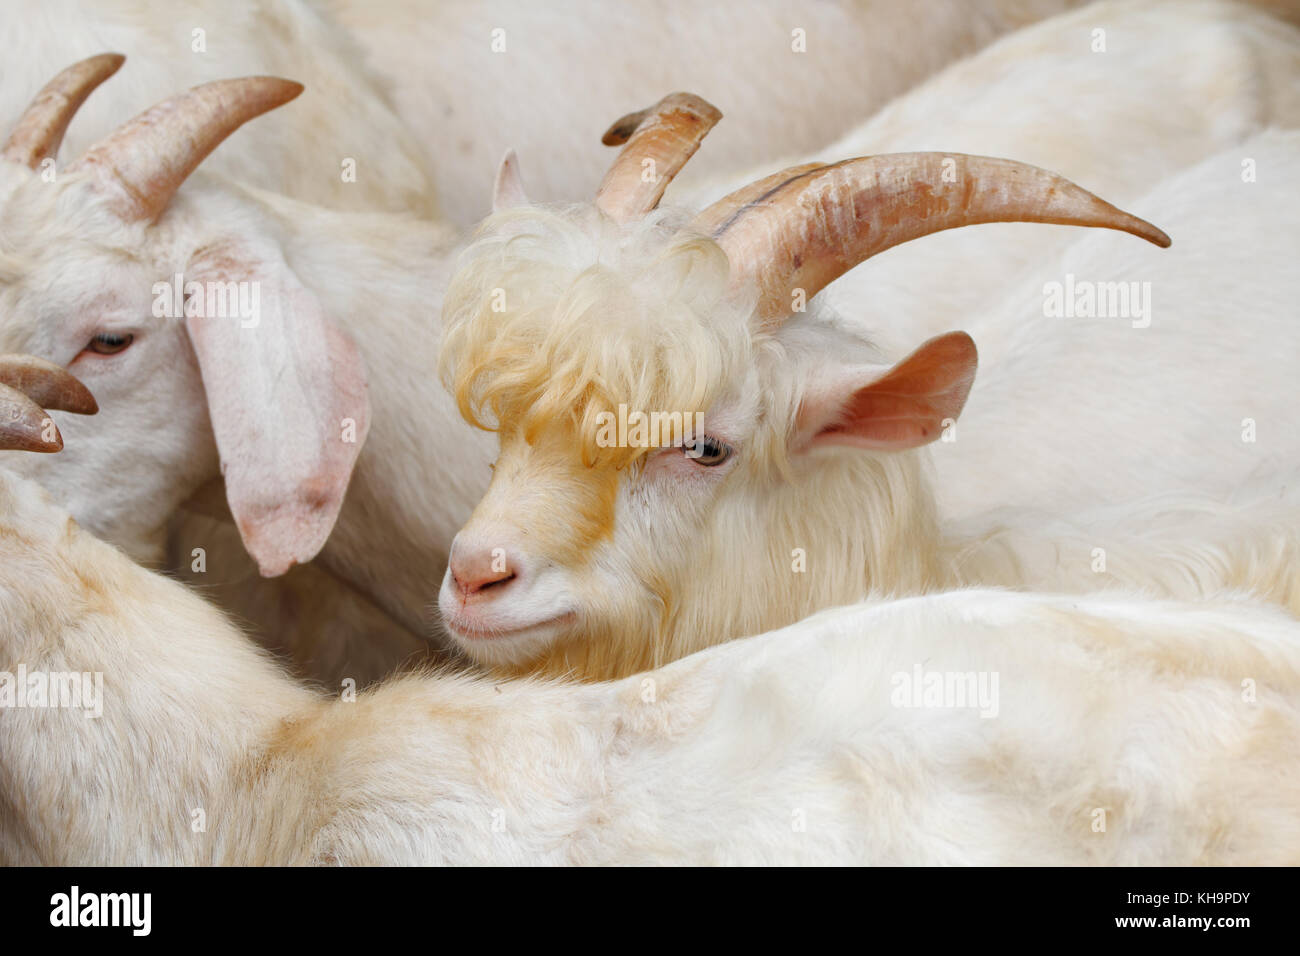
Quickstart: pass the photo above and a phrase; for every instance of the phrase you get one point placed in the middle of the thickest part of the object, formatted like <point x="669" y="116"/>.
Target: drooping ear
<point x="286" y="393"/>
<point x="905" y="407"/>
<point x="508" y="190"/>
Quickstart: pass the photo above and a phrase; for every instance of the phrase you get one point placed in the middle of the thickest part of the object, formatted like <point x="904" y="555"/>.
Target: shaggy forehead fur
<point x="560" y="315"/>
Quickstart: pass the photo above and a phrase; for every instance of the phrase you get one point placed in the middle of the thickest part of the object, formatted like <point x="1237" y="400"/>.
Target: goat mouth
<point x="475" y="631"/>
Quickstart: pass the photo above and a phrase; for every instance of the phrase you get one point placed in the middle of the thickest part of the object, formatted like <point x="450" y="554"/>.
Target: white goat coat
<point x="1122" y="731"/>
<point x="462" y="103"/>
<point x="1178" y="82"/>
<point x="473" y="78"/>
<point x="1069" y="414"/>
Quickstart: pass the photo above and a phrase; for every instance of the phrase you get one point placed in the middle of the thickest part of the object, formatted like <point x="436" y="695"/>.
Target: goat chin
<point x="967" y="727"/>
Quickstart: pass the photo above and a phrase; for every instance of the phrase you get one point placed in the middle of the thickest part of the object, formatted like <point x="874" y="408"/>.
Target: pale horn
<point x="144" y="162"/>
<point x="805" y="227"/>
<point x="659" y="141"/>
<point x="39" y="131"/>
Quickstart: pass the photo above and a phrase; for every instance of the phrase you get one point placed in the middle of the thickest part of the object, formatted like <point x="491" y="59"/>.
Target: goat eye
<point x="110" y="343"/>
<point x="707" y="451"/>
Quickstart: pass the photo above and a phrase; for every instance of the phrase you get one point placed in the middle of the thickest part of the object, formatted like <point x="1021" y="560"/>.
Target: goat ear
<point x="287" y="396"/>
<point x="508" y="190"/>
<point x="905" y="407"/>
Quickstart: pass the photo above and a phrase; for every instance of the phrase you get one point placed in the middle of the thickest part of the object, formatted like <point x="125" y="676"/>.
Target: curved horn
<point x="724" y="209"/>
<point x="23" y="422"/>
<point x="144" y="162"/>
<point x="40" y="129"/>
<point x="667" y="135"/>
<point x="46" y="384"/>
<point x="804" y="228"/>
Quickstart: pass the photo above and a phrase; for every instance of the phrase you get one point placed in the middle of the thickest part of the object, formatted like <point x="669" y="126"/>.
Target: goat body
<point x="1063" y="722"/>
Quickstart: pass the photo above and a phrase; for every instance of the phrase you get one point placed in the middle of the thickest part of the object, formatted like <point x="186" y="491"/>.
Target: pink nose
<point x="476" y="570"/>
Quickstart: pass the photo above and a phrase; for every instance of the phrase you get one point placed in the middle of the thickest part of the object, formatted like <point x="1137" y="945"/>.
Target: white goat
<point x="805" y="491"/>
<point x="410" y="493"/>
<point x="341" y="633"/>
<point x="972" y="727"/>
<point x="340" y="146"/>
<point x="286" y="397"/>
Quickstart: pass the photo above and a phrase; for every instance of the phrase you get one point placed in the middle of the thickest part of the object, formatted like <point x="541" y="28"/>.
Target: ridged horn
<point x="145" y="161"/>
<point x="667" y="134"/>
<point x="23" y="424"/>
<point x="46" y="384"/>
<point x="39" y="131"/>
<point x="805" y="227"/>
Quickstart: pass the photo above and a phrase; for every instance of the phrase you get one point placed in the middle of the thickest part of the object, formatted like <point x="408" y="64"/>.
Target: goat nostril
<point x="497" y="583"/>
<point x="471" y="583"/>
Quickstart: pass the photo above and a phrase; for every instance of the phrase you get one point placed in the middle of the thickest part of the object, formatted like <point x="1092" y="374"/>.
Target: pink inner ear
<point x="907" y="406"/>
